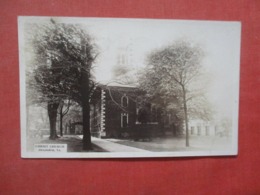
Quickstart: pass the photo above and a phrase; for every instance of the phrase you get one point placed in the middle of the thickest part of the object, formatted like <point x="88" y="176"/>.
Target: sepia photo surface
<point x="110" y="87"/>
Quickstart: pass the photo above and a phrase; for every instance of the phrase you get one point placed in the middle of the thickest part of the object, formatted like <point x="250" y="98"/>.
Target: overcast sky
<point x="135" y="38"/>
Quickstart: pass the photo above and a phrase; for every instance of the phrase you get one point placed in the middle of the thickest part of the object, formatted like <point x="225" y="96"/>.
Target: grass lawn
<point x="170" y="143"/>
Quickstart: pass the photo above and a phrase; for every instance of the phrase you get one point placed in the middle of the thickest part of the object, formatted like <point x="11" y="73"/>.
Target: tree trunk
<point x="85" y="111"/>
<point x="52" y="112"/>
<point x="185" y="117"/>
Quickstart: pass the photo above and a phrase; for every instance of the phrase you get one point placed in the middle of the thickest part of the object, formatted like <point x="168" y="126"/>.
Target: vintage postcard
<point x="112" y="88"/>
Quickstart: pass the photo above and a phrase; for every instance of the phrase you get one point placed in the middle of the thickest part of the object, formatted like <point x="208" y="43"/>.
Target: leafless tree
<point x="170" y="75"/>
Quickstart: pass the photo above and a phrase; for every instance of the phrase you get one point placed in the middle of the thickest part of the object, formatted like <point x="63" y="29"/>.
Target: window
<point x="124" y="101"/>
<point x="207" y="130"/>
<point x="216" y="130"/>
<point x="192" y="130"/>
<point x="153" y="114"/>
<point x="199" y="130"/>
<point x="124" y="120"/>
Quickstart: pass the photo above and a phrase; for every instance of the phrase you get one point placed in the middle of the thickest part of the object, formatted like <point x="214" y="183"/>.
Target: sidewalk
<point x="114" y="147"/>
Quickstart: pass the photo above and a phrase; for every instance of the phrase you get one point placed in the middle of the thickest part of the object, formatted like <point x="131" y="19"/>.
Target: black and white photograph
<point x="118" y="88"/>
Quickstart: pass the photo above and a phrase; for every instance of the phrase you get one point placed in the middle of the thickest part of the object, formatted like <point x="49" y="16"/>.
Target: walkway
<point x="113" y="147"/>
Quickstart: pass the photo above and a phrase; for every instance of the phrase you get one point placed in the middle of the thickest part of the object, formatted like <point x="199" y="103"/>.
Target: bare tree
<point x="124" y="75"/>
<point x="169" y="76"/>
<point x="119" y="70"/>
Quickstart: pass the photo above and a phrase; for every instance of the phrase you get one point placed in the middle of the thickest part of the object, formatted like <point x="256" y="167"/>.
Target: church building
<point x="116" y="111"/>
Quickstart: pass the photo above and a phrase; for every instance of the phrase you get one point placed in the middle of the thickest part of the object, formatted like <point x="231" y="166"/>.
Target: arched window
<point x="124" y="101"/>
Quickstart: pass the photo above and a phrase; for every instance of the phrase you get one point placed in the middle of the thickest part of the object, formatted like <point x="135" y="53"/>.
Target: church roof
<point x="117" y="84"/>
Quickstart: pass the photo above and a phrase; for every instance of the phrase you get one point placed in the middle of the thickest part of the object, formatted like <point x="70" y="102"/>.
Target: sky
<point x="136" y="38"/>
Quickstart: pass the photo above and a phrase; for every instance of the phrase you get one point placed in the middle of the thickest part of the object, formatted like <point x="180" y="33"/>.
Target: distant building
<point x="208" y="128"/>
